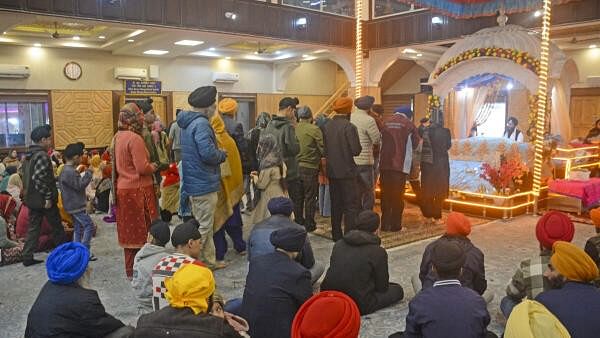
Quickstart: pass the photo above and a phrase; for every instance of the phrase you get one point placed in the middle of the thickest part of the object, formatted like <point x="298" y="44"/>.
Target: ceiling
<point x="136" y="40"/>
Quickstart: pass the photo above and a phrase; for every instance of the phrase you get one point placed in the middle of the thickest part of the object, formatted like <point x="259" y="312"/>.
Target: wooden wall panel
<point x="270" y="102"/>
<point x="180" y="100"/>
<point x="85" y="116"/>
<point x="585" y="110"/>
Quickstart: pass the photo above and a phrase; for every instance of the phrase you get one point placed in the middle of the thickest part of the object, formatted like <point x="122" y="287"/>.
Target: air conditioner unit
<point x="593" y="79"/>
<point x="123" y="73"/>
<point x="14" y="72"/>
<point x="220" y="77"/>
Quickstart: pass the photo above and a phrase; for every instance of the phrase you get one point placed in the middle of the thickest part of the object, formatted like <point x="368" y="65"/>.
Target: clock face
<point x="73" y="71"/>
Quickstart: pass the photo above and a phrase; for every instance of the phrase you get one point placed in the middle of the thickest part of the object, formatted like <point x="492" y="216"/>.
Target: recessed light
<point x="230" y="15"/>
<point x="593" y="46"/>
<point x="256" y="52"/>
<point x="277" y="52"/>
<point x="130" y="40"/>
<point x="419" y="54"/>
<point x="212" y="49"/>
<point x="189" y="43"/>
<point x="321" y="51"/>
<point x="409" y="51"/>
<point x="509" y="86"/>
<point x="537" y="13"/>
<point x="4" y="33"/>
<point x="436" y="20"/>
<point x="156" y="52"/>
<point x="228" y="58"/>
<point x="5" y="40"/>
<point x="73" y="44"/>
<point x="136" y="33"/>
<point x="76" y="38"/>
<point x="413" y="57"/>
<point x="305" y="55"/>
<point x="102" y="37"/>
<point x="37" y="44"/>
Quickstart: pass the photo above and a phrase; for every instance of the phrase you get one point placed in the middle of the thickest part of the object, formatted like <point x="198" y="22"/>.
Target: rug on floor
<point x="413" y="228"/>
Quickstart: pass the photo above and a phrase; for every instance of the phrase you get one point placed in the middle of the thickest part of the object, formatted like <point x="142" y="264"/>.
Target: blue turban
<point x="289" y="239"/>
<point x="280" y="206"/>
<point x="67" y="263"/>
<point x="404" y="109"/>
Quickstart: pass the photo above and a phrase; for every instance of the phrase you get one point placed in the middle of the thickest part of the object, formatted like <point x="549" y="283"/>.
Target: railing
<point x="327" y="104"/>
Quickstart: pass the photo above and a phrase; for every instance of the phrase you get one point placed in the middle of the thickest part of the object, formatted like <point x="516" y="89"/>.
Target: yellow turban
<point x="190" y="286"/>
<point x="595" y="216"/>
<point x="573" y="263"/>
<point x="228" y="106"/>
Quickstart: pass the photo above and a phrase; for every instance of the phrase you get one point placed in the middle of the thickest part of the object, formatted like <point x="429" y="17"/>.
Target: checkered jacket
<point x="41" y="178"/>
<point x="529" y="281"/>
<point x="167" y="267"/>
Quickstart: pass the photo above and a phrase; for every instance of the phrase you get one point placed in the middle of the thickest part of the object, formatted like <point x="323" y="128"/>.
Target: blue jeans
<point x="324" y="201"/>
<point x="234" y="306"/>
<point x="234" y="228"/>
<point x="366" y="183"/>
<point x="506" y="306"/>
<point x="82" y="222"/>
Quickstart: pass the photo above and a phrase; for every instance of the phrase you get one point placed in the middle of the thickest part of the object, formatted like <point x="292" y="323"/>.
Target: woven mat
<point x="413" y="228"/>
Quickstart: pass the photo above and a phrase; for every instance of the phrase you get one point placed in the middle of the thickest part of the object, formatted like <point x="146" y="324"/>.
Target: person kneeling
<point x="359" y="267"/>
<point x="189" y="293"/>
<point x="66" y="306"/>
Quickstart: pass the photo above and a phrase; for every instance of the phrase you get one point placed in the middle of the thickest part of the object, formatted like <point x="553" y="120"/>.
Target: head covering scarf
<point x="573" y="263"/>
<point x="7" y="206"/>
<point x="232" y="179"/>
<point x="530" y="319"/>
<point x="595" y="216"/>
<point x="458" y="224"/>
<point x="67" y="263"/>
<point x="343" y="105"/>
<point x="263" y="119"/>
<point x="157" y="128"/>
<point x="288" y="239"/>
<point x="96" y="161"/>
<point x="190" y="287"/>
<point x="554" y="226"/>
<point x="328" y="314"/>
<point x="368" y="221"/>
<point x="228" y="106"/>
<point x="268" y="152"/>
<point x="131" y="118"/>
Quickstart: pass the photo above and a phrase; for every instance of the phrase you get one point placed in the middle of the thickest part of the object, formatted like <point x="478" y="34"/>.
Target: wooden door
<point x="160" y="108"/>
<point x="585" y="110"/>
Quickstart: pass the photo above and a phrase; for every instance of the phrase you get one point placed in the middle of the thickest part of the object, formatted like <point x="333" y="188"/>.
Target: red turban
<point x="458" y="224"/>
<point x="554" y="226"/>
<point x="329" y="314"/>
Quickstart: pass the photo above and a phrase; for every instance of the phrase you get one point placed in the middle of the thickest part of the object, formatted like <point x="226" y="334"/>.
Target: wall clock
<point x="73" y="71"/>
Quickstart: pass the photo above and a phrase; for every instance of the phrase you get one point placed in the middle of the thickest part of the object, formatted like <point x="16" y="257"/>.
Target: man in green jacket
<point x="310" y="138"/>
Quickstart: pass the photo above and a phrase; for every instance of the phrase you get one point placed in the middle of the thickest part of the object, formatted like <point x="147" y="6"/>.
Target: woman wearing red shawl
<point x="133" y="182"/>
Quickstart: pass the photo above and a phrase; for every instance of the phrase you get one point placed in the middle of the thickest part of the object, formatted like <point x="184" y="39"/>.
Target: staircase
<point x="340" y="92"/>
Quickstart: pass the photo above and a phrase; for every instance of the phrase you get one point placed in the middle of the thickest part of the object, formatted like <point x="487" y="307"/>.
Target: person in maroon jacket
<point x="399" y="139"/>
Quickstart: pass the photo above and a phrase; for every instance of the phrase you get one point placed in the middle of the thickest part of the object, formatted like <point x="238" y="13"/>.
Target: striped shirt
<point x="447" y="282"/>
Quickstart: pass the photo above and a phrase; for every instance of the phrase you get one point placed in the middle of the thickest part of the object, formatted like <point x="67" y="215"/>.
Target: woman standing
<point x="133" y="175"/>
<point x="435" y="172"/>
<point x="252" y="195"/>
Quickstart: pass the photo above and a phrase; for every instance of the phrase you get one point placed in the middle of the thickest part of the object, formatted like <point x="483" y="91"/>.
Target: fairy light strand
<point x="358" y="52"/>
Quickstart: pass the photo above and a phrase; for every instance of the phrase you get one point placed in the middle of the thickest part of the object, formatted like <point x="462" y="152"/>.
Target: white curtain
<point x="468" y="102"/>
<point x="560" y="118"/>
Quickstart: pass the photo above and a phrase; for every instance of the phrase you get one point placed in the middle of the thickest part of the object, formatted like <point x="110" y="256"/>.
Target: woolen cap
<point x="364" y="102"/>
<point x="554" y="226"/>
<point x="447" y="256"/>
<point x="40" y="132"/>
<point x="288" y="102"/>
<point x="367" y="221"/>
<point x="304" y="112"/>
<point x="343" y="105"/>
<point x="161" y="232"/>
<point x="203" y="97"/>
<point x="457" y="224"/>
<point x="67" y="263"/>
<point x="228" y="106"/>
<point x="145" y="105"/>
<point x="573" y="263"/>
<point x="280" y="206"/>
<point x="289" y="239"/>
<point x="183" y="233"/>
<point x="330" y="314"/>
<point x="74" y="149"/>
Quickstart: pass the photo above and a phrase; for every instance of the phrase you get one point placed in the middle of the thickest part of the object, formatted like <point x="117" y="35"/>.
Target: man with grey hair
<point x="201" y="160"/>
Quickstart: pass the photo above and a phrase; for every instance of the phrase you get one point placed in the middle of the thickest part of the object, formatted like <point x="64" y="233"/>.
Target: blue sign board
<point x="140" y="87"/>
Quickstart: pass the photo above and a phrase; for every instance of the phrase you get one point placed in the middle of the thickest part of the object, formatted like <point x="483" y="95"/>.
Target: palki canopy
<point x="463" y="9"/>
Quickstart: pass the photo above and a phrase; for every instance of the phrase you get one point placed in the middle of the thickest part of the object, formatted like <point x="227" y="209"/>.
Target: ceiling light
<point x="321" y="51"/>
<point x="256" y="52"/>
<point x="230" y="15"/>
<point x="74" y="44"/>
<point x="156" y="52"/>
<point x="537" y="13"/>
<point x="189" y="43"/>
<point x="136" y="33"/>
<point x="76" y="38"/>
<point x="37" y="44"/>
<point x="409" y="51"/>
<point x="130" y="40"/>
<point x="5" y="40"/>
<point x="305" y="55"/>
<point x="228" y="58"/>
<point x="436" y="20"/>
<point x="101" y="37"/>
<point x="205" y="53"/>
<point x="212" y="49"/>
<point x="4" y="33"/>
<point x="419" y="54"/>
<point x="413" y="57"/>
<point x="593" y="46"/>
<point x="277" y="52"/>
<point x="509" y="86"/>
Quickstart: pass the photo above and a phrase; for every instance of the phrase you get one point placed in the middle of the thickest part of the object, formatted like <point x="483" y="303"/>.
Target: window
<point x="383" y="8"/>
<point x="18" y="117"/>
<point x="340" y="7"/>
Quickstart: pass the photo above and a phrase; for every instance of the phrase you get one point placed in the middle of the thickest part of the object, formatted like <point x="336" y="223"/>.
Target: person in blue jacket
<point x="201" y="160"/>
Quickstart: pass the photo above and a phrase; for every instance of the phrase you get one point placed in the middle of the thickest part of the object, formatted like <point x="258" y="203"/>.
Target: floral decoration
<point x="521" y="58"/>
<point x="508" y="175"/>
<point x="433" y="105"/>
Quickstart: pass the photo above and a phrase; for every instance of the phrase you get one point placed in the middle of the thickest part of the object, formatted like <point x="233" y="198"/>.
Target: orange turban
<point x="595" y="216"/>
<point x="573" y="263"/>
<point x="328" y="314"/>
<point x="343" y="105"/>
<point x="458" y="224"/>
<point x="228" y="106"/>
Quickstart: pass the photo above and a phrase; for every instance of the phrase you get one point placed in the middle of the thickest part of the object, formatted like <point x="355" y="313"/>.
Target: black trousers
<point x="392" y="199"/>
<point x="295" y="192"/>
<point x="401" y="334"/>
<point x="393" y="295"/>
<point x="431" y="205"/>
<point x="309" y="180"/>
<point x="344" y="205"/>
<point x="35" y="227"/>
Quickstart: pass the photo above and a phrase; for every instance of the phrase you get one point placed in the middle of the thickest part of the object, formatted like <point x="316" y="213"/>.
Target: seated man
<point x="529" y="280"/>
<point x="447" y="309"/>
<point x="189" y="293"/>
<point x="577" y="303"/>
<point x="186" y="240"/>
<point x="359" y="267"/>
<point x="281" y="209"/>
<point x="66" y="306"/>
<point x="342" y="317"/>
<point x="276" y="286"/>
<point x="145" y="261"/>
<point x="458" y="227"/>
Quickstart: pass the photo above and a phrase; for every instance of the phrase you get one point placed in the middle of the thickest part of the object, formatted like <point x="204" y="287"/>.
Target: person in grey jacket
<point x="145" y="261"/>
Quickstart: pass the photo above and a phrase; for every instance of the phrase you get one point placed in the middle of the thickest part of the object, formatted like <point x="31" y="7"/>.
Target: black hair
<point x="166" y="215"/>
<point x="514" y="120"/>
<point x="451" y="274"/>
<point x="40" y="132"/>
<point x="177" y="111"/>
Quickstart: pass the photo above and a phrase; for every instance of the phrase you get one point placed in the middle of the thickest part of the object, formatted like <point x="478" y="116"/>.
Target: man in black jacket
<point x="341" y="145"/>
<point x="40" y="193"/>
<point x="359" y="267"/>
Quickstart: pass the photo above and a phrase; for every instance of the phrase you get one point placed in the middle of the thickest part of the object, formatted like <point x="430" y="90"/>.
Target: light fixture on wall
<point x="537" y="13"/>
<point x="76" y="38"/>
<point x="101" y="37"/>
<point x="509" y="86"/>
<point x="212" y="49"/>
<point x="230" y="15"/>
<point x="436" y="20"/>
<point x="131" y="40"/>
<point x="593" y="46"/>
<point x="301" y="23"/>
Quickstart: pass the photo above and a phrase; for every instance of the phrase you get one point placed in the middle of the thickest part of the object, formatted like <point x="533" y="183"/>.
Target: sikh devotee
<point x="511" y="131"/>
<point x="327" y="314"/>
<point x="359" y="267"/>
<point x="66" y="305"/>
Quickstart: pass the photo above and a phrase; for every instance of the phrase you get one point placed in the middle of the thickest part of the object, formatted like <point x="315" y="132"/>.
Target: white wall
<point x="180" y="74"/>
<point x="409" y="83"/>
<point x="588" y="62"/>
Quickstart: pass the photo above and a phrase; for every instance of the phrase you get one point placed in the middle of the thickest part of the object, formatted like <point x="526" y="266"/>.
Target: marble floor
<point x="504" y="244"/>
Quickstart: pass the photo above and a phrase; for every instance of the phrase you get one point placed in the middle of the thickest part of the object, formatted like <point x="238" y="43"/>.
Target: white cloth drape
<point x="560" y="118"/>
<point x="468" y="102"/>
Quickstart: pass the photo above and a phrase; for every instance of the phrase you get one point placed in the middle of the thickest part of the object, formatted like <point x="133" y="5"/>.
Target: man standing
<point x="282" y="129"/>
<point x="341" y="145"/>
<point x="399" y="139"/>
<point x="201" y="161"/>
<point x="312" y="149"/>
<point x="174" y="139"/>
<point x="40" y="193"/>
<point x="369" y="136"/>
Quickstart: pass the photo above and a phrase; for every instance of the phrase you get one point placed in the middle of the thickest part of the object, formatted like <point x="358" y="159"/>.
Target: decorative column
<point x="358" y="57"/>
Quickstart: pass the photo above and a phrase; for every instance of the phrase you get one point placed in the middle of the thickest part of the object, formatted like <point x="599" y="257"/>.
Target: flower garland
<point x="521" y="58"/>
<point x="433" y="105"/>
<point x="510" y="173"/>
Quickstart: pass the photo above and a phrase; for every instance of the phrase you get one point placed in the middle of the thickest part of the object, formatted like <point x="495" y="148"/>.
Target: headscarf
<point x="171" y="175"/>
<point x="328" y="314"/>
<point x="228" y="106"/>
<point x="96" y="161"/>
<point x="595" y="216"/>
<point x="263" y="120"/>
<point x="458" y="224"/>
<point x="190" y="287"/>
<point x="573" y="263"/>
<point x="554" y="226"/>
<point x="268" y="152"/>
<point x="7" y="206"/>
<point x="232" y="179"/>
<point x="67" y="263"/>
<point x="157" y="128"/>
<point x="131" y="118"/>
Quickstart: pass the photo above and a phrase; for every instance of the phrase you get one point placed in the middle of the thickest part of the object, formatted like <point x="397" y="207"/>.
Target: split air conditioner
<point x="219" y="77"/>
<point x="123" y="73"/>
<point x="14" y="72"/>
<point x="593" y="79"/>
